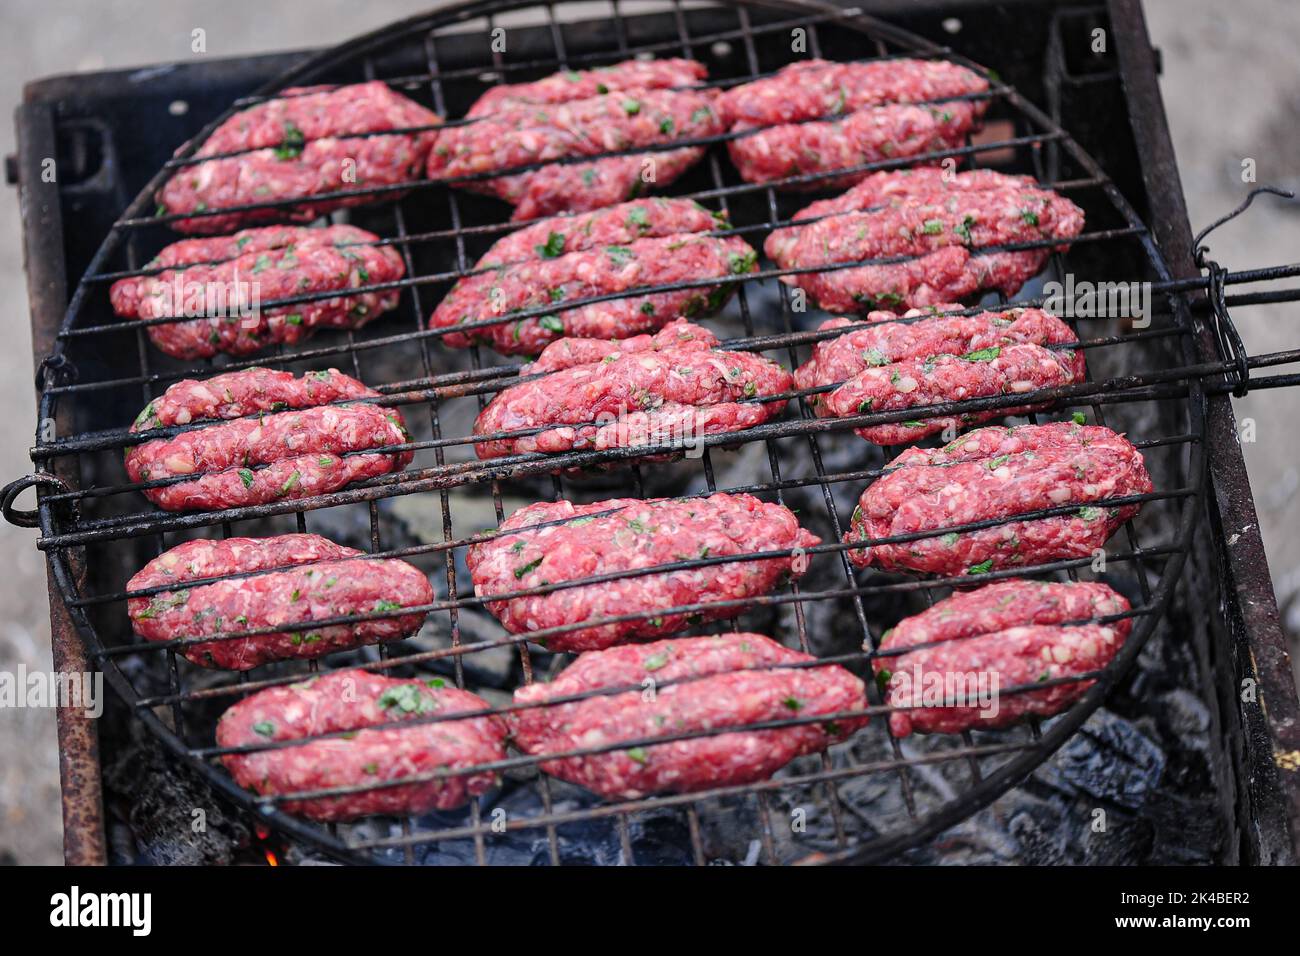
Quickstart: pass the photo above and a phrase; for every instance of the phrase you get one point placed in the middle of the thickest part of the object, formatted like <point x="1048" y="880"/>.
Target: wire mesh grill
<point x="1145" y="383"/>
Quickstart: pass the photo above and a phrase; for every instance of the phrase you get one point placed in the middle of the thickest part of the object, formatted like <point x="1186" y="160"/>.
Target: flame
<point x="262" y="833"/>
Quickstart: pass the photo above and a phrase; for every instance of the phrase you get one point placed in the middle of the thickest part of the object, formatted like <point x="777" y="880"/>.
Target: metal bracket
<point x="1230" y="344"/>
<point x="57" y="368"/>
<point x="11" y="491"/>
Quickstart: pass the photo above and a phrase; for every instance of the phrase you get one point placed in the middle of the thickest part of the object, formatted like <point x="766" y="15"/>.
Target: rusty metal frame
<point x="1266" y="725"/>
<point x="79" y="766"/>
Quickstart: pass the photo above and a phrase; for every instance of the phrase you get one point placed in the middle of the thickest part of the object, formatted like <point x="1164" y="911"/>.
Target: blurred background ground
<point x="1232" y="90"/>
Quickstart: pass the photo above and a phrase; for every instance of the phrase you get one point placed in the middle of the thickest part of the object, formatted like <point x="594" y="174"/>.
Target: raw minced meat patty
<point x="1013" y="369"/>
<point x="723" y="682"/>
<point x="248" y="392"/>
<point x="565" y="122"/>
<point x="300" y="148"/>
<point x="349" y="704"/>
<point x="895" y="187"/>
<point x="306" y="577"/>
<point x="1015" y="632"/>
<point x="677" y="393"/>
<point x="583" y="84"/>
<point x="884" y="340"/>
<point x="998" y="473"/>
<point x="815" y="88"/>
<point x="623" y="535"/>
<point x="274" y="437"/>
<point x="817" y="116"/>
<point x="566" y="353"/>
<point x="1015" y="657"/>
<point x="611" y="271"/>
<point x="225" y="278"/>
<point x="935" y="226"/>
<point x="1012" y="602"/>
<point x="649" y="218"/>
<point x="869" y="135"/>
<point x="611" y="252"/>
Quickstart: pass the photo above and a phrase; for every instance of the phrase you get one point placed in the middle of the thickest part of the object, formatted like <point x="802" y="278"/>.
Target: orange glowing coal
<point x="262" y="833"/>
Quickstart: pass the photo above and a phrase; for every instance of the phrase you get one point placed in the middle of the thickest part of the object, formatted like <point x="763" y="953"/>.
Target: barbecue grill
<point x="1191" y="562"/>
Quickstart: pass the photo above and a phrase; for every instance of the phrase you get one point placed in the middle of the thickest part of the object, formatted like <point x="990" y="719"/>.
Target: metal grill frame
<point x="1185" y="382"/>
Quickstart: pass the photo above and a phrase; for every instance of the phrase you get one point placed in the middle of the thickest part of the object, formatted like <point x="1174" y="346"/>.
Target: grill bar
<point x="426" y="393"/>
<point x="1164" y="288"/>
<point x="1111" y="391"/>
<point x="245" y="686"/>
<point x="534" y="759"/>
<point x="397" y="190"/>
<point x="633" y="806"/>
<point x="121" y="438"/>
<point x="477" y="600"/>
<point x="183" y="162"/>
<point x="117" y="327"/>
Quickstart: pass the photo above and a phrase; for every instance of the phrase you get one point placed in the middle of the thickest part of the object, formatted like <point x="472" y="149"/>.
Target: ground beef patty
<point x="860" y="115"/>
<point x="1013" y="369"/>
<point x="619" y="270"/>
<point x="306" y="578"/>
<point x="1014" y="633"/>
<point x="648" y="242"/>
<point x="726" y="681"/>
<point x="583" y="84"/>
<point x="274" y="437"/>
<point x="554" y="120"/>
<point x="566" y="353"/>
<point x="217" y="277"/>
<point x="678" y="390"/>
<point x="619" y="225"/>
<point x="350" y="703"/>
<point x="296" y="151"/>
<point x="998" y="473"/>
<point x="937" y="224"/>
<point x="883" y="340"/>
<point x="571" y="542"/>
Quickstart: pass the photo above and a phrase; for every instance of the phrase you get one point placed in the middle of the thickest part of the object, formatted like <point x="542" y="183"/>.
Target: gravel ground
<point x="1235" y="66"/>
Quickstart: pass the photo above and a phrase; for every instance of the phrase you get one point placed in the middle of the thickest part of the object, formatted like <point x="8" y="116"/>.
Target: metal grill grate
<point x="176" y="700"/>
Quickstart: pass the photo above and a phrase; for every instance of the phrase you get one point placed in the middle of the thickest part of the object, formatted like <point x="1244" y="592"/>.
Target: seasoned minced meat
<point x="869" y="135"/>
<point x="649" y="218"/>
<point x="1013" y="369"/>
<point x="998" y="473"/>
<point x="566" y="353"/>
<point x="1015" y="657"/>
<point x="273" y="437"/>
<point x="348" y="704"/>
<point x="1017" y="632"/>
<point x="680" y="392"/>
<point x="622" y="535"/>
<point x="859" y="114"/>
<point x="613" y="251"/>
<point x="725" y="683"/>
<point x="215" y="277"/>
<point x="1012" y="602"/>
<point x="297" y="151"/>
<point x="938" y="225"/>
<point x="884" y="340"/>
<point x="582" y="84"/>
<point x="286" y="579"/>
<point x="522" y="133"/>
<point x="612" y="271"/>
